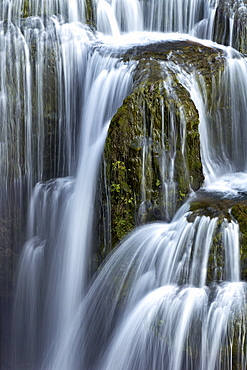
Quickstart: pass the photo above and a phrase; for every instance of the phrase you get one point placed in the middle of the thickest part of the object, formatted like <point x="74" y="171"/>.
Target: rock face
<point x="230" y="24"/>
<point x="239" y="212"/>
<point x="225" y="210"/>
<point x="153" y="146"/>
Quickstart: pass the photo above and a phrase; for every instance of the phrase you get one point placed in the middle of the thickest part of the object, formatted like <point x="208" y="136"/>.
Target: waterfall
<point x="104" y="87"/>
<point x="172" y="294"/>
<point x="124" y="15"/>
<point x="220" y="148"/>
<point x="156" y="282"/>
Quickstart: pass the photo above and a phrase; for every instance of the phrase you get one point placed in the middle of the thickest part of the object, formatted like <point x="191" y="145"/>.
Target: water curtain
<point x="116" y="114"/>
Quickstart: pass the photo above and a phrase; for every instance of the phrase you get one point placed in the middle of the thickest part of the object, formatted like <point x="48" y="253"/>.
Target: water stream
<point x="156" y="302"/>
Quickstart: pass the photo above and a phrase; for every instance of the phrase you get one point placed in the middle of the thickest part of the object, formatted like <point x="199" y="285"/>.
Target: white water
<point x="105" y="85"/>
<point x="165" y="313"/>
<point x="155" y="333"/>
<point x="220" y="148"/>
<point x="150" y="306"/>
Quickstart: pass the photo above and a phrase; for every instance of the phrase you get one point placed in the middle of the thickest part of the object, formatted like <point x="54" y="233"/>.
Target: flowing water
<point x="171" y="296"/>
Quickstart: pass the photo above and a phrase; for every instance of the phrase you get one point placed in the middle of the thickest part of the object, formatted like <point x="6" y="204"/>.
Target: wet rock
<point x="153" y="146"/>
<point x="239" y="212"/>
<point x="230" y="24"/>
<point x="225" y="209"/>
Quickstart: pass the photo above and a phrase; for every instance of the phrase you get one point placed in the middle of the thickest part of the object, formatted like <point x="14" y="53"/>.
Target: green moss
<point x="239" y="36"/>
<point x="232" y="210"/>
<point x="216" y="259"/>
<point x="231" y="11"/>
<point x="135" y="135"/>
<point x="212" y="207"/>
<point x="90" y="13"/>
<point x="239" y="212"/>
<point x="154" y="135"/>
<point x="221" y="22"/>
<point x="122" y="201"/>
<point x="25" y="9"/>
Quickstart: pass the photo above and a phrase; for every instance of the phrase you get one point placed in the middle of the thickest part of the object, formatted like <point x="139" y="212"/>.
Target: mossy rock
<point x="138" y="155"/>
<point x="153" y="146"/>
<point x="239" y="212"/>
<point x="221" y="31"/>
<point x="90" y="13"/>
<point x="212" y="206"/>
<point x="25" y="9"/>
<point x="224" y="209"/>
<point x="239" y="37"/>
<point x="235" y="12"/>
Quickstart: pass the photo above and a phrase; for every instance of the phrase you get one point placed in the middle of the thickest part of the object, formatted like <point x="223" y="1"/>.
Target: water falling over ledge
<point x="172" y="295"/>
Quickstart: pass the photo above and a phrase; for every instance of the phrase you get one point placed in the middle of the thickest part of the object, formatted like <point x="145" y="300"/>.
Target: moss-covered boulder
<point x="230" y="24"/>
<point x="239" y="212"/>
<point x="151" y="165"/>
<point x="226" y="211"/>
<point x="221" y="31"/>
<point x="153" y="146"/>
<point x="239" y="36"/>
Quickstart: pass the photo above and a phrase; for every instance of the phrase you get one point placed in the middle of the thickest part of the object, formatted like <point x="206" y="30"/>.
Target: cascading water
<point x="171" y="296"/>
<point x="220" y="148"/>
<point x="106" y="84"/>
